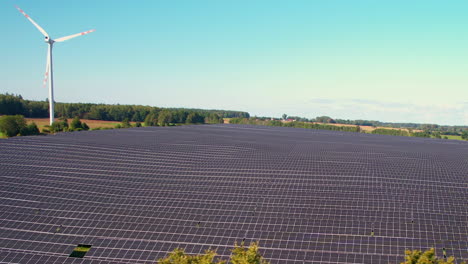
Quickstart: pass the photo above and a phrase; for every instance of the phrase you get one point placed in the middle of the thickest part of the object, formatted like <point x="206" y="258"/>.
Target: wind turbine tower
<point x="49" y="74"/>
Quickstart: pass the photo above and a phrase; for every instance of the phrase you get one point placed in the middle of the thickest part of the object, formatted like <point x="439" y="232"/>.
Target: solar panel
<point x="308" y="196"/>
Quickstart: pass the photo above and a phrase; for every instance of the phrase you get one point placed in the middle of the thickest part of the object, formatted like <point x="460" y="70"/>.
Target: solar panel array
<point x="308" y="196"/>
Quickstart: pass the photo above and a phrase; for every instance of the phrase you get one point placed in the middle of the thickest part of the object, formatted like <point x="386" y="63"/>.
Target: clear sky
<point x="397" y="61"/>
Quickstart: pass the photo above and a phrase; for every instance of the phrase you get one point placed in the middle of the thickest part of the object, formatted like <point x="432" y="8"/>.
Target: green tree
<point x="214" y="119"/>
<point x="464" y="135"/>
<point x="12" y="125"/>
<point x="194" y="118"/>
<point x="323" y="119"/>
<point x="151" y="119"/>
<point x="11" y="104"/>
<point x="178" y="256"/>
<point x="426" y="257"/>
<point x="84" y="126"/>
<point x="164" y="117"/>
<point x="179" y="116"/>
<point x="250" y="255"/>
<point x="285" y="116"/>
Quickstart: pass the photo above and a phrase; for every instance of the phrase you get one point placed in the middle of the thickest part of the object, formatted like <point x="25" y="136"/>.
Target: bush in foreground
<point x="426" y="257"/>
<point x="250" y="255"/>
<point x="240" y="255"/>
<point x="178" y="256"/>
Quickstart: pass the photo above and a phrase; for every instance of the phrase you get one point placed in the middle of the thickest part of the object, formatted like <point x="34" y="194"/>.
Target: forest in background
<point x="11" y="104"/>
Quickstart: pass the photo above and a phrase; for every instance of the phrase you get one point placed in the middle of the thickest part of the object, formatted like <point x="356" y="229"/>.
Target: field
<point x="452" y="137"/>
<point x="41" y="122"/>
<point x="308" y="196"/>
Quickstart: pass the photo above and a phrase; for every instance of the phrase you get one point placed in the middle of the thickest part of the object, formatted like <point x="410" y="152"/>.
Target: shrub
<point x="178" y="256"/>
<point x="250" y="255"/>
<point x="421" y="134"/>
<point x="59" y="126"/>
<point x="126" y="123"/>
<point x="75" y="124"/>
<point x="427" y="257"/>
<point x="12" y="125"/>
<point x="240" y="255"/>
<point x="30" y="130"/>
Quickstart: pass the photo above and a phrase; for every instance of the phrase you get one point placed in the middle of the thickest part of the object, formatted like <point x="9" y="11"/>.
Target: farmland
<point x="41" y="122"/>
<point x="453" y="137"/>
<point x="308" y="196"/>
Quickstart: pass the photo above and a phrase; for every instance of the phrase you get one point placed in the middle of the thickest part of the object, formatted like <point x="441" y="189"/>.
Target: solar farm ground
<point x="308" y="196"/>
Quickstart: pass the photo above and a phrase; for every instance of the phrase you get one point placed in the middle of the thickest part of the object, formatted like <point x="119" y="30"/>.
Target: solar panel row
<point x="308" y="196"/>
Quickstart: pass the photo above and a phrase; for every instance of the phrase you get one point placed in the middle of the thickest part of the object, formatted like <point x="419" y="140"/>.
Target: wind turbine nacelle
<point x="48" y="40"/>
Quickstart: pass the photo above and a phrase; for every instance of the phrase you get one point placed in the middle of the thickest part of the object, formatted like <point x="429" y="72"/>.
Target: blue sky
<point x="401" y="61"/>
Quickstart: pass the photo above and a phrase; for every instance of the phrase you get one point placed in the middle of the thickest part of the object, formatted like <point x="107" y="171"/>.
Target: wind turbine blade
<point x="73" y="36"/>
<point x="34" y="23"/>
<point x="46" y="75"/>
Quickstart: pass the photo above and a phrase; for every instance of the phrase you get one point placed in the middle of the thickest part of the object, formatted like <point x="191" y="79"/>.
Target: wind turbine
<point x="49" y="71"/>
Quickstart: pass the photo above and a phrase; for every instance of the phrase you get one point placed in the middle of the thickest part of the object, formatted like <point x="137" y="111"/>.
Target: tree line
<point x="443" y="130"/>
<point x="11" y="104"/>
<point x="355" y="128"/>
<point x="266" y="122"/>
<point x="429" y="130"/>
